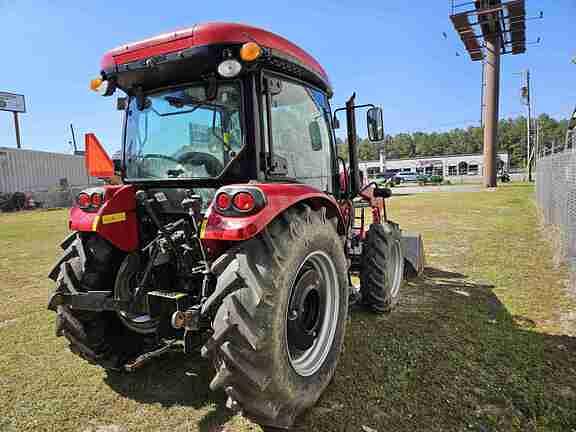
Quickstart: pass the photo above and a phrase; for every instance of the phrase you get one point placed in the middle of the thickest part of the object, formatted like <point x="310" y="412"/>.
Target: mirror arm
<point x="354" y="177"/>
<point x="365" y="106"/>
<point x="353" y="107"/>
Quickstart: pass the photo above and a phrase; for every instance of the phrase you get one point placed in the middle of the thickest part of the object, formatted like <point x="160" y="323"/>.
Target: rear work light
<point x="229" y="68"/>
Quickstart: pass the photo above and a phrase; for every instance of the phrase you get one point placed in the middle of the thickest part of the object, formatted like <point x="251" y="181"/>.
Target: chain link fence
<point x="556" y="197"/>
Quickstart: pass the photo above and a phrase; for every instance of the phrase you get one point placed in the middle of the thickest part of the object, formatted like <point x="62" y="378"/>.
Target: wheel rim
<point x="394" y="268"/>
<point x="140" y="322"/>
<point x="312" y="314"/>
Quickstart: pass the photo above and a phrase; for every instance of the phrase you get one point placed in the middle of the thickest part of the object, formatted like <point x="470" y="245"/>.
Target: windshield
<point x="181" y="133"/>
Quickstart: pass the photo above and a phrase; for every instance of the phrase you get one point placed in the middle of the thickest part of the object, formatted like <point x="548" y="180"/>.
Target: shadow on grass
<point x="398" y="193"/>
<point x="175" y="380"/>
<point x="449" y="358"/>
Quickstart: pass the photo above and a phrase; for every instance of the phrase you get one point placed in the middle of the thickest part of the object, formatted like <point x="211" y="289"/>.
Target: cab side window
<point x="301" y="134"/>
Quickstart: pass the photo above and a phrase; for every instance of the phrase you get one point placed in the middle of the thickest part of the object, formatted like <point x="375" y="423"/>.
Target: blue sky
<point x="391" y="53"/>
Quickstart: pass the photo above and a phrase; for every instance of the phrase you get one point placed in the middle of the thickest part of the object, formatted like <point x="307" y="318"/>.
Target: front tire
<point x="381" y="267"/>
<point x="282" y="303"/>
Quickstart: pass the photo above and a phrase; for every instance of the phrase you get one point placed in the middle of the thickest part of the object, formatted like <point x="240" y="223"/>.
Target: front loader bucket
<point x="413" y="248"/>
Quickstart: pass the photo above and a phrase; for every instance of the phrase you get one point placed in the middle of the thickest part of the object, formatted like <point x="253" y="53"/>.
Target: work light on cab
<point x="229" y="68"/>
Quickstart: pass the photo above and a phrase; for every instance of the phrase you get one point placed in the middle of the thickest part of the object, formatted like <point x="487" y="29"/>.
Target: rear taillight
<point x="96" y="199"/>
<point x="239" y="200"/>
<point x="83" y="200"/>
<point x="243" y="201"/>
<point x="223" y="201"/>
<point x="90" y="199"/>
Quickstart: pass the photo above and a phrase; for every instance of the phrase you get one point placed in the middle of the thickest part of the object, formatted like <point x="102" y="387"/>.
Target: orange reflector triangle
<point x="98" y="163"/>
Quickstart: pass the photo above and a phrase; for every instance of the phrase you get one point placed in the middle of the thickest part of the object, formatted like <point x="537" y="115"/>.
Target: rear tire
<point x="381" y="267"/>
<point x="282" y="303"/>
<point x="97" y="337"/>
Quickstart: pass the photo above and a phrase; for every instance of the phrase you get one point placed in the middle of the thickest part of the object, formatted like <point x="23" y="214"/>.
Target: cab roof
<point x="207" y="34"/>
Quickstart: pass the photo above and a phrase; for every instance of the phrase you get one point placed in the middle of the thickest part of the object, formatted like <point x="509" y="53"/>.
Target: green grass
<point x="483" y="342"/>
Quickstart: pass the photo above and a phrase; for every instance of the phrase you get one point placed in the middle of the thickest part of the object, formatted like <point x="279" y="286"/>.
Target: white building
<point x="447" y="165"/>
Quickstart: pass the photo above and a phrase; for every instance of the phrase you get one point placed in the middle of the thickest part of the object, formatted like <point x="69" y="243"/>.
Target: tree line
<point x="511" y="139"/>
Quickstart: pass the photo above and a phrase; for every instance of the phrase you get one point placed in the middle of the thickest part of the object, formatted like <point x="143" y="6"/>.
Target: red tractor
<point x="232" y="230"/>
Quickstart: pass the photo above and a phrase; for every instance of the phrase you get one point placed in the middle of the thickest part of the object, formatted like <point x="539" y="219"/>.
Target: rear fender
<point x="115" y="220"/>
<point x="279" y="197"/>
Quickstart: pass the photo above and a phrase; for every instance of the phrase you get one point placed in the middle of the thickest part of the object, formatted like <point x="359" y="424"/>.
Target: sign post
<point x="15" y="103"/>
<point x="17" y="129"/>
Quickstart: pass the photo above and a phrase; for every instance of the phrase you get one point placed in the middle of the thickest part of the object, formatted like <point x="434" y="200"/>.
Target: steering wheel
<point x="147" y="172"/>
<point x="212" y="165"/>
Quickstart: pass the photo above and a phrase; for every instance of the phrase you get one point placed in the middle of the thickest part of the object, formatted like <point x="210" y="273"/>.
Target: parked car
<point x="384" y="178"/>
<point x="430" y="179"/>
<point x="504" y="176"/>
<point x="405" y="177"/>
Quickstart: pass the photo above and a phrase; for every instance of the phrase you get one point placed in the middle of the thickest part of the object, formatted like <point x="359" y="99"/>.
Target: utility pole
<point x="489" y="29"/>
<point x="482" y="95"/>
<point x="73" y="138"/>
<point x="491" y="100"/>
<point x="526" y="96"/>
<point x="537" y="144"/>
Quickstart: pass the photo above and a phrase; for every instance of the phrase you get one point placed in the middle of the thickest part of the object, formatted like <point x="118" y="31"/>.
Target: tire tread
<point x="239" y="347"/>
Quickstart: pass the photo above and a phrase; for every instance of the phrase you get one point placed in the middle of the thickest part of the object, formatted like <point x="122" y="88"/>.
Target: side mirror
<point x="315" y="135"/>
<point x="375" y="124"/>
<point x="98" y="163"/>
<point x="336" y="122"/>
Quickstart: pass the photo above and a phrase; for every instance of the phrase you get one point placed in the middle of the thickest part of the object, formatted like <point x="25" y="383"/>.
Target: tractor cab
<point x="221" y="104"/>
<point x="231" y="227"/>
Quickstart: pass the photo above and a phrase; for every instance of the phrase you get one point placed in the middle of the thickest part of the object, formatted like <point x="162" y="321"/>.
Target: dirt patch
<point x="6" y="323"/>
<point x="106" y="428"/>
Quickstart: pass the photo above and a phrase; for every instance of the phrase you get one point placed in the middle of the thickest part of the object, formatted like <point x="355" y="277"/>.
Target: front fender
<point x="279" y="197"/>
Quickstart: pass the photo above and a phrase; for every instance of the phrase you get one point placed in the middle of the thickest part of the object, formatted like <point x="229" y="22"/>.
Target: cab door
<point x="299" y="134"/>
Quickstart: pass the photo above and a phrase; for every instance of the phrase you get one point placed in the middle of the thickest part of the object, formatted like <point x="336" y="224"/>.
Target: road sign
<point x="12" y="102"/>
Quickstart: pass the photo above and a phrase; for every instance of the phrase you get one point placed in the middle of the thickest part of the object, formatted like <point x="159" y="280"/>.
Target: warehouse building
<point x="51" y="179"/>
<point x="469" y="165"/>
<point x="30" y="170"/>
